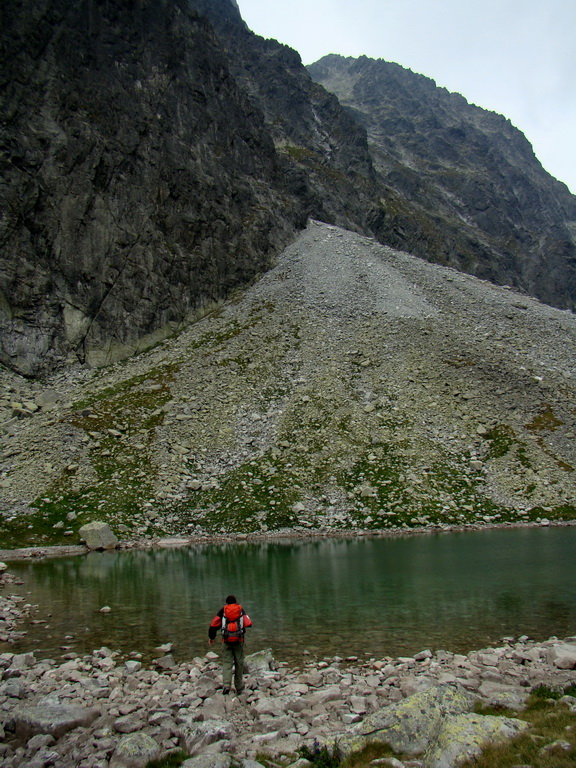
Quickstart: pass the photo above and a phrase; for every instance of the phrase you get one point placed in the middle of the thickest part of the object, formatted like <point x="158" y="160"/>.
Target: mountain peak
<point x="463" y="184"/>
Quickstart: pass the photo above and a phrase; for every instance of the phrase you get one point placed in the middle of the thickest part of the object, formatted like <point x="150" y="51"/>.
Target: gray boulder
<point x="47" y="398"/>
<point x="128" y="724"/>
<point x="40" y="741"/>
<point x="98" y="535"/>
<point x="499" y="694"/>
<point x="464" y="736"/>
<point x="194" y="736"/>
<point x="50" y="718"/>
<point x="261" y="661"/>
<point x="562" y="656"/>
<point x="135" y="751"/>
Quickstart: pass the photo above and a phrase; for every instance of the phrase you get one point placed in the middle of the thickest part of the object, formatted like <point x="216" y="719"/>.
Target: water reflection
<point x="352" y="596"/>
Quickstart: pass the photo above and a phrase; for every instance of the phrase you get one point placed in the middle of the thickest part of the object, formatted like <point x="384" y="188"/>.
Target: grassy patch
<point x="545" y="421"/>
<point x="384" y="484"/>
<point x="551" y="721"/>
<point x="173" y="760"/>
<point x="561" y="512"/>
<point x="372" y="751"/>
<point x="300" y="154"/>
<point x="129" y="387"/>
<point x="460" y="362"/>
<point x="502" y="441"/>
<point x="121" y="475"/>
<point x="257" y="495"/>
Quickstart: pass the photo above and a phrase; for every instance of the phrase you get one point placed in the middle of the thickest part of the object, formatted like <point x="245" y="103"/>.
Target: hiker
<point x="233" y="621"/>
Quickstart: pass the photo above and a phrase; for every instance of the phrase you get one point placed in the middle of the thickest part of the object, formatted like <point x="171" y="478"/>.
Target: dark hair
<point x="230" y="599"/>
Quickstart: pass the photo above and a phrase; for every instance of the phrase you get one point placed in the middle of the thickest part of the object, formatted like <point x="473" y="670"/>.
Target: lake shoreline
<point x="87" y="710"/>
<point x="69" y="550"/>
<point x="84" y="709"/>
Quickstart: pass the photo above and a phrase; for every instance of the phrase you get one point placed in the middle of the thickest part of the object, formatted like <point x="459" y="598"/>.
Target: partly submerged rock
<point x="261" y="661"/>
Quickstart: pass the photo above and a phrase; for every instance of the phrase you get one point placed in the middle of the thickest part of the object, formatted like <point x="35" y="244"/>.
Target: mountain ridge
<point x="470" y="166"/>
<point x="157" y="157"/>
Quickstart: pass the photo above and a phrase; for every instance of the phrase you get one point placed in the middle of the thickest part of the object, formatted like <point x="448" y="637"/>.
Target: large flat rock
<point x="411" y="725"/>
<point x="54" y="719"/>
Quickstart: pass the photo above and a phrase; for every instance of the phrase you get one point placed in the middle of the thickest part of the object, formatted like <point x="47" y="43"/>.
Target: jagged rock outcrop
<point x="321" y="143"/>
<point x="460" y="185"/>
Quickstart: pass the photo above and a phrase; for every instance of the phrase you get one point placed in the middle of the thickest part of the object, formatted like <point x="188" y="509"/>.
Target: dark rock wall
<point x="138" y="181"/>
<point x="324" y="148"/>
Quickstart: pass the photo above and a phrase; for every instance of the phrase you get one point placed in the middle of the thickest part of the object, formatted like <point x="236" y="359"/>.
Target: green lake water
<point x="365" y="596"/>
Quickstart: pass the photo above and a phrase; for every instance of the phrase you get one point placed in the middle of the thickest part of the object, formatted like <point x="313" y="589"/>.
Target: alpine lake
<point x="365" y="597"/>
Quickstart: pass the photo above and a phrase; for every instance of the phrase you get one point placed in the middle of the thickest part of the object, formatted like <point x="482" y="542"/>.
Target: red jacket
<point x="217" y="621"/>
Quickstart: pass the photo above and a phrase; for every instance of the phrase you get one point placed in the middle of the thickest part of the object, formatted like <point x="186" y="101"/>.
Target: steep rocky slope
<point x="322" y="143"/>
<point x="352" y="387"/>
<point x="461" y="185"/>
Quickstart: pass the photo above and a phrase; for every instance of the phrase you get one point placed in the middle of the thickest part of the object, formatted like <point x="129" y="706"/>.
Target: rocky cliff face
<point x="139" y="183"/>
<point x="321" y="144"/>
<point x="460" y="185"/>
<point x="156" y="155"/>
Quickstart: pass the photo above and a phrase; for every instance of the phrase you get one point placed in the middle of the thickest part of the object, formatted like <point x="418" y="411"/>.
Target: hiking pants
<point x="233" y="659"/>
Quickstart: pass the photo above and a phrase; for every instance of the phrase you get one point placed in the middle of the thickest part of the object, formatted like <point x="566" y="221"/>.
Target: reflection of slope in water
<point x="381" y="597"/>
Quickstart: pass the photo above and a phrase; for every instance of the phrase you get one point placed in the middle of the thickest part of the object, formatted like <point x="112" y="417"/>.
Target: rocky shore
<point x="103" y="709"/>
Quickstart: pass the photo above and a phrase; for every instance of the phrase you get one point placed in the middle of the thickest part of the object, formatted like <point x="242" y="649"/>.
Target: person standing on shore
<point x="233" y="621"/>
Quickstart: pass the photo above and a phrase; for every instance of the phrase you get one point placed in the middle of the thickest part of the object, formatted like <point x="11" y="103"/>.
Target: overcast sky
<point x="516" y="57"/>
